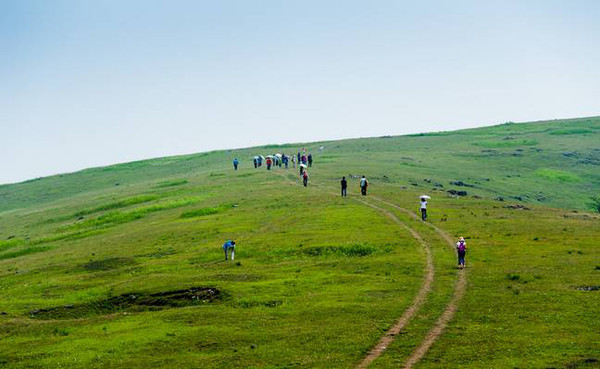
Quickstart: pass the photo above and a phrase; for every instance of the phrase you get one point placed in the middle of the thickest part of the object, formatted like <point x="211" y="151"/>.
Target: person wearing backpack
<point x="235" y="163"/>
<point x="229" y="247"/>
<point x="363" y="186"/>
<point x="461" y="249"/>
<point x="305" y="178"/>
<point x="344" y="184"/>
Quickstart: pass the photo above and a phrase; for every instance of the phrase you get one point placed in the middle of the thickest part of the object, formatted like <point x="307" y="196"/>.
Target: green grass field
<point x="122" y="266"/>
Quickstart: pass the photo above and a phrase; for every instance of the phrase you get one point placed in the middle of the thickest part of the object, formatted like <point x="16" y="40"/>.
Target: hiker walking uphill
<point x="461" y="250"/>
<point x="235" y="163"/>
<point x="423" y="208"/>
<point x="363" y="186"/>
<point x="344" y="184"/>
<point x="309" y="160"/>
<point x="305" y="178"/>
<point x="269" y="162"/>
<point x="229" y="247"/>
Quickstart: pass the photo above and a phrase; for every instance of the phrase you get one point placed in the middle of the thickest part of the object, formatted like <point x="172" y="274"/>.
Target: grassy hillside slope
<point x="122" y="266"/>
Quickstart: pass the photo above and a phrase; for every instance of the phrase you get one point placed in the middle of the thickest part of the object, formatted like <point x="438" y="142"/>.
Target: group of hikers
<point x="303" y="159"/>
<point x="280" y="160"/>
<point x="304" y="162"/>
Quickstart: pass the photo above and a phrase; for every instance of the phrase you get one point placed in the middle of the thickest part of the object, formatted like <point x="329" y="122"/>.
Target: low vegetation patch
<point x="199" y="212"/>
<point x="572" y="131"/>
<point x="206" y="211"/>
<point x="118" y="204"/>
<point x="9" y="244"/>
<point x="66" y="236"/>
<point x="171" y="183"/>
<point x="356" y="250"/>
<point x="108" y="264"/>
<point x="557" y="175"/>
<point x="132" y="302"/>
<point x="160" y="253"/>
<point x="506" y="143"/>
<point x="27" y="251"/>
<point x="254" y="303"/>
<point x="114" y="218"/>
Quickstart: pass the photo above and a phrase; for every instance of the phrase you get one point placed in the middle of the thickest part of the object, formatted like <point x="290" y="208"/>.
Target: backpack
<point x="462" y="246"/>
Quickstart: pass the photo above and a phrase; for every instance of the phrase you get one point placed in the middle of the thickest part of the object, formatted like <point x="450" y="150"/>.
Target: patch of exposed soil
<point x="589" y="288"/>
<point x="131" y="302"/>
<point x="517" y="207"/>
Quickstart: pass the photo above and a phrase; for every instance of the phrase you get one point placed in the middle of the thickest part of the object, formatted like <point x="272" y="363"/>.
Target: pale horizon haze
<point x="93" y="83"/>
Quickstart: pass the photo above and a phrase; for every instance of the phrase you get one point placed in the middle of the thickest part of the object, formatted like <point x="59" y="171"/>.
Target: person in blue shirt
<point x="235" y="163"/>
<point x="229" y="247"/>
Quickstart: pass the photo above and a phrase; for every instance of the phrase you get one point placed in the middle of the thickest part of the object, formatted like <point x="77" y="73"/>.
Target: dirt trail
<point x="390" y="335"/>
<point x="444" y="319"/>
<point x="448" y="313"/>
<point x="419" y="299"/>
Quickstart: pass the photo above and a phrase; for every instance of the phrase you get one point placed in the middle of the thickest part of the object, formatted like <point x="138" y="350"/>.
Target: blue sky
<point x="94" y="83"/>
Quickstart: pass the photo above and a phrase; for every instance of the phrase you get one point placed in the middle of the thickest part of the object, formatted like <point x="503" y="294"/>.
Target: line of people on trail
<point x="304" y="162"/>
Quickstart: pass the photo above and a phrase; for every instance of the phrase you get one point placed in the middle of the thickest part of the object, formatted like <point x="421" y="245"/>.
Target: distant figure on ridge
<point x="461" y="250"/>
<point x="235" y="163"/>
<point x="423" y="208"/>
<point x="363" y="186"/>
<point x="344" y="184"/>
<point x="229" y="247"/>
<point x="309" y="160"/>
<point x="305" y="178"/>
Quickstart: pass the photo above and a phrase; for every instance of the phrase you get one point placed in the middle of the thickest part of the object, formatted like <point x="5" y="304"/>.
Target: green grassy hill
<point x="121" y="266"/>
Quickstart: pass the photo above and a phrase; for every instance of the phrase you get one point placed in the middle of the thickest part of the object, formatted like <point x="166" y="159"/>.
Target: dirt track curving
<point x="448" y="313"/>
<point x="459" y="291"/>
<point x="390" y="335"/>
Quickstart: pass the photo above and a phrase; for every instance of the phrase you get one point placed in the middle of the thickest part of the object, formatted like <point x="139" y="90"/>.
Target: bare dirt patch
<point x="131" y="302"/>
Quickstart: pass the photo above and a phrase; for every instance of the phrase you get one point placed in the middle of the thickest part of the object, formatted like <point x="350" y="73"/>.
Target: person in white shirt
<point x="423" y="208"/>
<point x="363" y="186"/>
